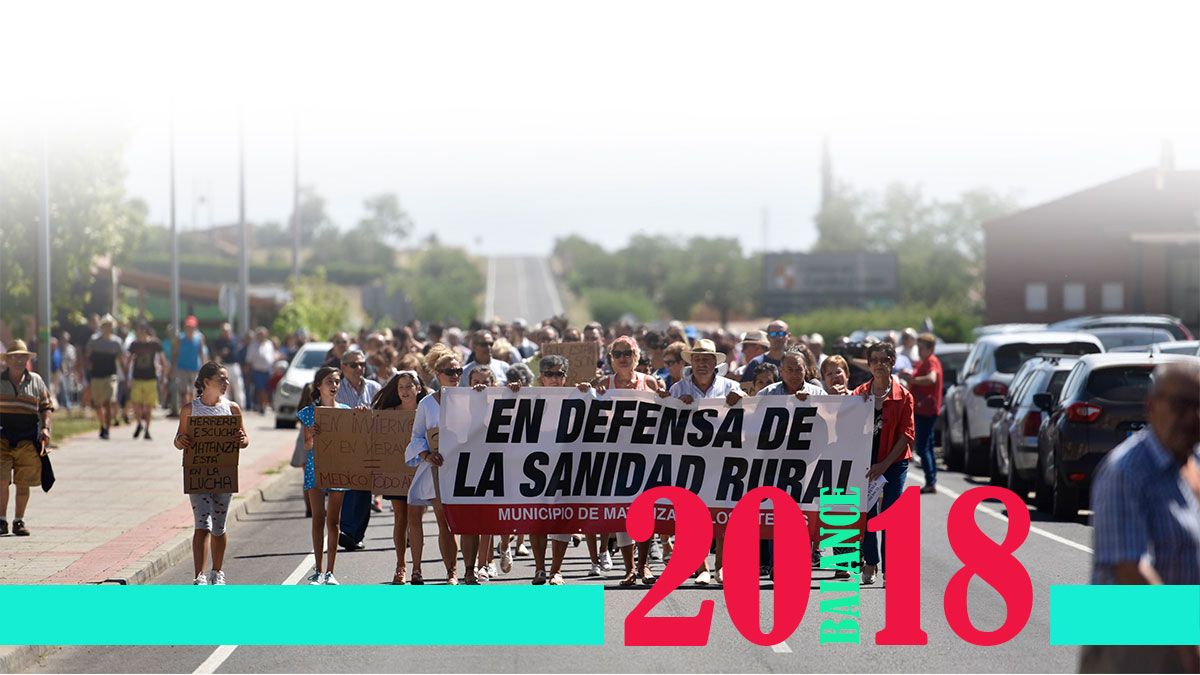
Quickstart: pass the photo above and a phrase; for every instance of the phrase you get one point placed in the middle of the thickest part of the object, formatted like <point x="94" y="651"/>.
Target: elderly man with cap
<point x="754" y="344"/>
<point x="24" y="402"/>
<point x="101" y="356"/>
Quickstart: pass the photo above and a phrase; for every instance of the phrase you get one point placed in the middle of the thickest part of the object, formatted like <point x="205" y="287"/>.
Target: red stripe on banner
<point x="571" y="518"/>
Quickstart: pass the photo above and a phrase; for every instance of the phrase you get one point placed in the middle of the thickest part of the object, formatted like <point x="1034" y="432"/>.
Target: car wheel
<point x="954" y="451"/>
<point x="994" y="476"/>
<point x="1014" y="481"/>
<point x="1066" y="498"/>
<point x="1042" y="498"/>
<point x="285" y="424"/>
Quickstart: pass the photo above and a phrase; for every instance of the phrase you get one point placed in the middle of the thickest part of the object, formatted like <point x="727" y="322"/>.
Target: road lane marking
<point x="556" y="304"/>
<point x="489" y="303"/>
<point x="781" y="648"/>
<point x="220" y="654"/>
<point x="1000" y="516"/>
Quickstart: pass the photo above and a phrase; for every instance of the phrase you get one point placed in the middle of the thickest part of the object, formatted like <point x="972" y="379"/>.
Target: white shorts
<point x="623" y="539"/>
<point x="565" y="538"/>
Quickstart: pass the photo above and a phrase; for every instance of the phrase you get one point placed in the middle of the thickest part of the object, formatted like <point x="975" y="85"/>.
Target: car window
<point x="1131" y="337"/>
<point x="1021" y="381"/>
<point x="1010" y="357"/>
<point x="1055" y="387"/>
<point x="1036" y="383"/>
<point x="311" y="359"/>
<point x="1070" y="384"/>
<point x="1120" y="383"/>
<point x="1186" y="348"/>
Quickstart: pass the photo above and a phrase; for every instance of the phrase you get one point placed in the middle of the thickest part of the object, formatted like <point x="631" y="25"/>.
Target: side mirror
<point x="995" y="401"/>
<point x="1043" y="401"/>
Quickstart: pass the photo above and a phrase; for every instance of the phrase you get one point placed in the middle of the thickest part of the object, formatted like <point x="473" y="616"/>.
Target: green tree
<point x="90" y="216"/>
<point x="608" y="305"/>
<point x="443" y="283"/>
<point x="316" y="305"/>
<point x="385" y="220"/>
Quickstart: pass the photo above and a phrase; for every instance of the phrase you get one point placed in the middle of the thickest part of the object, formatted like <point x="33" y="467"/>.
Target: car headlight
<point x="288" y="389"/>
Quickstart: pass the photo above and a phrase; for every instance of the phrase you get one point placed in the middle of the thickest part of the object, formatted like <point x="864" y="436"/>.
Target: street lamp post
<point x="43" y="308"/>
<point x="243" y="254"/>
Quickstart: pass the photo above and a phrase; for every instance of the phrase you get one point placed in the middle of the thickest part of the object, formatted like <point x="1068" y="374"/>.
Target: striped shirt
<point x="1143" y="506"/>
<point x="20" y="405"/>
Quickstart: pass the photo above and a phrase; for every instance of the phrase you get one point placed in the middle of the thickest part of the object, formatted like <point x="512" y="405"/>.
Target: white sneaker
<point x="655" y="550"/>
<point x="605" y="561"/>
<point x="506" y="561"/>
<point x="315" y="578"/>
<point x="522" y="551"/>
<point x="595" y="571"/>
<point x="200" y="580"/>
<point x="331" y="580"/>
<point x="481" y="572"/>
<point x="492" y="570"/>
<point x="703" y="579"/>
<point x="556" y="579"/>
<point x="218" y="578"/>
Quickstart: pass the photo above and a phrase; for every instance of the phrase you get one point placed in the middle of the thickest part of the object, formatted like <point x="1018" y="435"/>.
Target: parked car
<point x="1164" y="321"/>
<point x="1102" y="403"/>
<point x="1183" y="347"/>
<point x="300" y="372"/>
<point x="993" y="328"/>
<point x="1120" y="337"/>
<point x="988" y="370"/>
<point x="1014" y="448"/>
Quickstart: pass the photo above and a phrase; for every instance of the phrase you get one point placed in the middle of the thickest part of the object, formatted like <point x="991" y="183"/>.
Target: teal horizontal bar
<point x="304" y="615"/>
<point x="1124" y="615"/>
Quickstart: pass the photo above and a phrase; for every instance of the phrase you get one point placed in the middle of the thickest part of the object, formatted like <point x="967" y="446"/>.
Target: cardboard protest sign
<point x="362" y="450"/>
<point x="582" y="357"/>
<point x="211" y="464"/>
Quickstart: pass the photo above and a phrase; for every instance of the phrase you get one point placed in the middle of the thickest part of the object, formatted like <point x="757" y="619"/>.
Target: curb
<point x="20" y="657"/>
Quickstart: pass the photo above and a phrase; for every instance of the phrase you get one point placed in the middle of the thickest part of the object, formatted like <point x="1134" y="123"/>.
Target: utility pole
<point x="243" y="253"/>
<point x="174" y="233"/>
<point x="43" y="282"/>
<point x="296" y="201"/>
<point x="766" y="223"/>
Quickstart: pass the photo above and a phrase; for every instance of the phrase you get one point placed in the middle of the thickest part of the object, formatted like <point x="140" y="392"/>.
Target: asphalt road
<point x="521" y="287"/>
<point x="268" y="544"/>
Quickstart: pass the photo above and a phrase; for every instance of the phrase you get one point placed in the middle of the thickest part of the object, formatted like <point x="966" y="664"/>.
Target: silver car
<point x="299" y="373"/>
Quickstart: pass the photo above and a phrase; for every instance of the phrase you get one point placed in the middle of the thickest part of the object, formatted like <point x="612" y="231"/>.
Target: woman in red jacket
<point x="891" y="444"/>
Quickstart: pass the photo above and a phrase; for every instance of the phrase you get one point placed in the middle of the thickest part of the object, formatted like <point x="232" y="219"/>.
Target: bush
<point x="609" y="305"/>
<point x="951" y="322"/>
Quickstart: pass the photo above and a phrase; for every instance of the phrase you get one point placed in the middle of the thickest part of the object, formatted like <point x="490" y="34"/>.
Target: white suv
<point x="300" y="372"/>
<point x="988" y="370"/>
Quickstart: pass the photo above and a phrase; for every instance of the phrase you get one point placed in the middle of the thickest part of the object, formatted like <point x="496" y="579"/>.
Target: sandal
<point x="452" y="579"/>
<point x="647" y="578"/>
<point x="629" y="580"/>
<point x="868" y="574"/>
<point x="417" y="580"/>
<point x="399" y="577"/>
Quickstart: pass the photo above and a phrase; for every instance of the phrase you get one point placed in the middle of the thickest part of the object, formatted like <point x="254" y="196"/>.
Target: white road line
<point x="220" y="654"/>
<point x="1000" y="516"/>
<point x="489" y="303"/>
<point x="781" y="648"/>
<point x="522" y="292"/>
<point x="556" y="305"/>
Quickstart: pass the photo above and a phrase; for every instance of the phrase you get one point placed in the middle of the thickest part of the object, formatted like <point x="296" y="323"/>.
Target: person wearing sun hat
<point x="24" y="403"/>
<point x="754" y="344"/>
<point x="702" y="382"/>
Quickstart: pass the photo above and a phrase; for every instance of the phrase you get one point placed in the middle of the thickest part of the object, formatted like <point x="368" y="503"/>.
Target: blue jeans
<point x="356" y="513"/>
<point x="924" y="441"/>
<point x="896" y="476"/>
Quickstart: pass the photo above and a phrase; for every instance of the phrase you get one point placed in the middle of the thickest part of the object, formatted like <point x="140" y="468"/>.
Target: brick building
<point x="1131" y="245"/>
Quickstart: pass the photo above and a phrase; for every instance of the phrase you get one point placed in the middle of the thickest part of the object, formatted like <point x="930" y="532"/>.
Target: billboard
<point x="800" y="282"/>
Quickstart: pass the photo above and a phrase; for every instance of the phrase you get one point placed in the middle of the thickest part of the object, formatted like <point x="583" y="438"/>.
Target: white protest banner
<point x="555" y="460"/>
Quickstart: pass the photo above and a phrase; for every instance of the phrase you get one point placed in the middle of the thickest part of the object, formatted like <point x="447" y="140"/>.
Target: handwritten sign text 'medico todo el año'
<point x="363" y="450"/>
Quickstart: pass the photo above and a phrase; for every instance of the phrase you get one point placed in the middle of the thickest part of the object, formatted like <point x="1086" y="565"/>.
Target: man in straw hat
<point x="24" y="398"/>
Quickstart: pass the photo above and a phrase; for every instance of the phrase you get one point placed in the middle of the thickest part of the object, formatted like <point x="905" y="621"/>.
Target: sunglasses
<point x="670" y="362"/>
<point x="452" y="372"/>
<point x="360" y="364"/>
<point x="622" y="353"/>
<point x="554" y="374"/>
<point x="777" y="333"/>
<point x="881" y="361"/>
<point x="340" y="342"/>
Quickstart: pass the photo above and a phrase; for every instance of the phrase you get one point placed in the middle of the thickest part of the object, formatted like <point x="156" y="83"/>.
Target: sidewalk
<point x="117" y="511"/>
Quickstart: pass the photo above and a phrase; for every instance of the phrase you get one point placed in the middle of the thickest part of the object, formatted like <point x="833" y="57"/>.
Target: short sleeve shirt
<point x="103" y="354"/>
<point x="927" y="398"/>
<point x="143" y="359"/>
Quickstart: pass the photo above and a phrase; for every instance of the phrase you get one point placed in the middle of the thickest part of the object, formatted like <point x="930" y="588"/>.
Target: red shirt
<point x="897" y="419"/>
<point x="927" y="398"/>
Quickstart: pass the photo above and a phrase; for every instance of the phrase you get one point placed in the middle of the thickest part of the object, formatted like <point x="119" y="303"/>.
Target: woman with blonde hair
<point x="423" y="455"/>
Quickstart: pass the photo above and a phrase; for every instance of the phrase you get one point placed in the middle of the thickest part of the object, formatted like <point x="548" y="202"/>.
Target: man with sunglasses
<point x="777" y="339"/>
<point x="481" y="350"/>
<point x="25" y="409"/>
<point x="1146" y="515"/>
<point x="355" y="391"/>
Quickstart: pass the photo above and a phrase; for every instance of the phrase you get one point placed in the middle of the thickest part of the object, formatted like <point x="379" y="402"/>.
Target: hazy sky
<point x="502" y="125"/>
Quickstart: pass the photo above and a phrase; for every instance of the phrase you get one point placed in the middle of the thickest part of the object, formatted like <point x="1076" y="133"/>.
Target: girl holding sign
<point x="321" y="392"/>
<point x="404" y="392"/>
<point x="422" y="453"/>
<point x="210" y="508"/>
